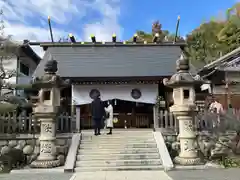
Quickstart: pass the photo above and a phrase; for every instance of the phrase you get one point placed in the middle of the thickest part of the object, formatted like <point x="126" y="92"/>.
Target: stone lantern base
<point x="45" y="163"/>
<point x="187" y="135"/>
<point x="188" y="161"/>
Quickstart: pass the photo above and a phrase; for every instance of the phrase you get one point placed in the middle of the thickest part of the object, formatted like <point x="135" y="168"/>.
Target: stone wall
<point x="30" y="146"/>
<point x="209" y="145"/>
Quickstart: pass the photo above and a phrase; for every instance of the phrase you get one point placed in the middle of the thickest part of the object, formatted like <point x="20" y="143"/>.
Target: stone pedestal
<point x="187" y="135"/>
<point x="47" y="157"/>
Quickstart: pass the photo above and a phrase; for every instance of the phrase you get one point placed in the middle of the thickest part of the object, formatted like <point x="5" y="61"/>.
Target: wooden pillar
<point x="75" y="112"/>
<point x="227" y="91"/>
<point x="133" y="115"/>
<point x="78" y="119"/>
<point x="73" y="117"/>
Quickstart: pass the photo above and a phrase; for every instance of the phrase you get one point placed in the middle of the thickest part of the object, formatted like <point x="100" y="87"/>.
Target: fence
<point x="11" y="123"/>
<point x="230" y="120"/>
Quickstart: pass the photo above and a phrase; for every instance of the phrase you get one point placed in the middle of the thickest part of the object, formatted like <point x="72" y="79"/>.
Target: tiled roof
<point x="111" y="60"/>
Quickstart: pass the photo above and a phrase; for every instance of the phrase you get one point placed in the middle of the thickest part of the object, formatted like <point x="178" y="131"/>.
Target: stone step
<point x="118" y="151"/>
<point x="114" y="146"/>
<point x="118" y="156"/>
<point x="104" y="133"/>
<point x="119" y="168"/>
<point x="120" y="141"/>
<point x="119" y="135"/>
<point x="111" y="163"/>
<point x="119" y="132"/>
<point x="117" y="138"/>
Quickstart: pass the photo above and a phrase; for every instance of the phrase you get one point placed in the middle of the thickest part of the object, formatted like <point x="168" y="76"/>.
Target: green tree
<point x="164" y="35"/>
<point x="202" y="43"/>
<point x="229" y="37"/>
<point x="215" y="38"/>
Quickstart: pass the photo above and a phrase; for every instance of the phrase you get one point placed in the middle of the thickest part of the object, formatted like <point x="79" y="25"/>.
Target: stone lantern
<point x="184" y="109"/>
<point x="46" y="111"/>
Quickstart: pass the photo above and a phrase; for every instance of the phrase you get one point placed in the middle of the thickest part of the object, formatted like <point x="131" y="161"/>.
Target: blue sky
<point x="192" y="13"/>
<point x="28" y="18"/>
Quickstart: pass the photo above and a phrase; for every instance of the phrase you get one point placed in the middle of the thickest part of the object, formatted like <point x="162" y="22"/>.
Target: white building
<point x="24" y="63"/>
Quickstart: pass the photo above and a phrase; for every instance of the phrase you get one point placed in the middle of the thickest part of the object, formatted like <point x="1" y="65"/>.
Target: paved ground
<point x="122" y="175"/>
<point x="206" y="174"/>
<point x="36" y="176"/>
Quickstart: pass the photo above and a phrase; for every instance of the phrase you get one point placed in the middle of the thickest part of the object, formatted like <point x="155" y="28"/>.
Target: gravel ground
<point x="207" y="174"/>
<point x="36" y="176"/>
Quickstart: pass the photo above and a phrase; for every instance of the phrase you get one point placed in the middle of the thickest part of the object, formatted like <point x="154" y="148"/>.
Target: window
<point x="24" y="69"/>
<point x="46" y="95"/>
<point x="185" y="94"/>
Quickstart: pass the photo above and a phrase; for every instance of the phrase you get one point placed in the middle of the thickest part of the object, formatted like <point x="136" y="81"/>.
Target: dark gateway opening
<point x="127" y="114"/>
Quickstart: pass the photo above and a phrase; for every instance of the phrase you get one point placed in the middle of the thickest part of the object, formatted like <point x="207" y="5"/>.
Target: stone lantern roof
<point x="50" y="78"/>
<point x="183" y="77"/>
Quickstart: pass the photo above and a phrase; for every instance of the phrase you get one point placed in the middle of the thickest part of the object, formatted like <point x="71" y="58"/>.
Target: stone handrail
<point x="163" y="151"/>
<point x="72" y="152"/>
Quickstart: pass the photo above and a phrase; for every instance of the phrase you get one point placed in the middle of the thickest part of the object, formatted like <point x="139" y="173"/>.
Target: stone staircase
<point x="124" y="150"/>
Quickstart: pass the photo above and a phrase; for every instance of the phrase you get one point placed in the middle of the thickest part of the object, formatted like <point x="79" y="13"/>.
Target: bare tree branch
<point x="10" y="73"/>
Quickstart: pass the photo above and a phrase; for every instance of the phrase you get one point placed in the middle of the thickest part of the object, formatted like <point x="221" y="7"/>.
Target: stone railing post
<point x="155" y="117"/>
<point x="78" y="119"/>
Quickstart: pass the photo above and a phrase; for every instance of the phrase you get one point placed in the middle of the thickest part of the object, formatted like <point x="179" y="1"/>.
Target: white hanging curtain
<point x="206" y="87"/>
<point x="80" y="93"/>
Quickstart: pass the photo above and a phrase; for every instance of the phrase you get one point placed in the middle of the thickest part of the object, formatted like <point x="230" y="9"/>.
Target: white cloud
<point x="104" y="29"/>
<point x="21" y="32"/>
<point x="32" y="8"/>
<point x="60" y="11"/>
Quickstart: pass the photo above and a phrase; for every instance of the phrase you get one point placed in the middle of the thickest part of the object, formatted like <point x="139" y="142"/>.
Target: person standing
<point x="97" y="115"/>
<point x="216" y="108"/>
<point x="109" y="118"/>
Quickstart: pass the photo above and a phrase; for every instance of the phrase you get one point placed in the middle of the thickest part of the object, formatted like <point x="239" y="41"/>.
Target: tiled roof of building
<point x="111" y="60"/>
<point x="226" y="61"/>
<point x="30" y="53"/>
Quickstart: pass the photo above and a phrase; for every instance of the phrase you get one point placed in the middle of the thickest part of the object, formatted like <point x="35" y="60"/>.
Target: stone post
<point x="78" y="119"/>
<point x="184" y="108"/>
<point x="46" y="112"/>
<point x="155" y="117"/>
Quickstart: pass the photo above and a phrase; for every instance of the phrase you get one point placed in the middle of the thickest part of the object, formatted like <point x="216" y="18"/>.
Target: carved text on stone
<point x="189" y="147"/>
<point x="47" y="128"/>
<point x="188" y="125"/>
<point x="46" y="148"/>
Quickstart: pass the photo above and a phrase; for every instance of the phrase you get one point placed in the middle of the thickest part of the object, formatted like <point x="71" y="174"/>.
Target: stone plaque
<point x="47" y="127"/>
<point x="188" y="125"/>
<point x="189" y="146"/>
<point x="46" y="148"/>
